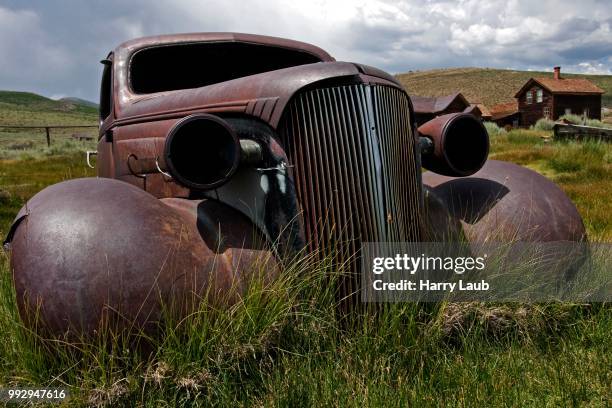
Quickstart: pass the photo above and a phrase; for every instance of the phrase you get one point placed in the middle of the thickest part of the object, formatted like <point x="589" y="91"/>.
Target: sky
<point x="53" y="47"/>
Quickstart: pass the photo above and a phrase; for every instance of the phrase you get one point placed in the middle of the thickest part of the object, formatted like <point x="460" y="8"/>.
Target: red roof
<point x="425" y="104"/>
<point x="485" y="112"/>
<point x="504" y="109"/>
<point x="563" y="85"/>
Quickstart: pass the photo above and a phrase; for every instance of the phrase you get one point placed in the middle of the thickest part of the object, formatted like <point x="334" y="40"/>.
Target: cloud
<point x="29" y="56"/>
<point x="54" y="47"/>
<point x="596" y="67"/>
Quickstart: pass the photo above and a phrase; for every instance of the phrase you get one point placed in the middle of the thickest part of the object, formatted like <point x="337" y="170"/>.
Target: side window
<point x="547" y="112"/>
<point x="106" y="89"/>
<point x="529" y="97"/>
<point x="539" y="96"/>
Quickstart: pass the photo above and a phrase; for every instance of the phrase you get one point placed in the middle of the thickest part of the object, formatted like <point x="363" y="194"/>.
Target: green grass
<point x="20" y="179"/>
<point x="485" y="85"/>
<point x="28" y="109"/>
<point x="283" y="343"/>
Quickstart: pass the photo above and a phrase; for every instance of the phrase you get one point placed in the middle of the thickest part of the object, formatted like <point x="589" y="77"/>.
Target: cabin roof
<point x="562" y="86"/>
<point x="427" y="104"/>
<point x="504" y="109"/>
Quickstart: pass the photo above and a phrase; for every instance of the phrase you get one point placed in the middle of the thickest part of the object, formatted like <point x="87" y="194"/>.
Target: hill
<point x="29" y="109"/>
<point x="28" y="101"/>
<point x="485" y="85"/>
<point x="26" y="108"/>
<point x="79" y="102"/>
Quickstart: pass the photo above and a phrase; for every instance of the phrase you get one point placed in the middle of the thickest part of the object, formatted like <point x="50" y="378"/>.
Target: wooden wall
<point x="577" y="104"/>
<point x="531" y="113"/>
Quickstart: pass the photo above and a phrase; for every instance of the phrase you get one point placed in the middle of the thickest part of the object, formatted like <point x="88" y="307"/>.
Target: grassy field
<point x="283" y="344"/>
<point x="28" y="109"/>
<point x="485" y="85"/>
<point x="583" y="170"/>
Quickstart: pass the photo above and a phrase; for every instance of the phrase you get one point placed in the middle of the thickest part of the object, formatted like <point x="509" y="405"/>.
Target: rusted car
<point x="218" y="150"/>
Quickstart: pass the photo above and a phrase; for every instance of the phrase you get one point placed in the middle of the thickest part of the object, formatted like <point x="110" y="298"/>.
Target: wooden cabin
<point x="555" y="96"/>
<point x="506" y="114"/>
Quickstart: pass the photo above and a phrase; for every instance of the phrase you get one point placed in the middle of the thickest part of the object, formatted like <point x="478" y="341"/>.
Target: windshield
<point x="183" y="66"/>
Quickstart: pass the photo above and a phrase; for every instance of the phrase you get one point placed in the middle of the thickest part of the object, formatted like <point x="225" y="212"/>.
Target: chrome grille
<point x="355" y="168"/>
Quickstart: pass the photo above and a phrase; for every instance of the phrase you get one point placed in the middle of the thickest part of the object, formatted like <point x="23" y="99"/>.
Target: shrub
<point x="575" y="119"/>
<point x="493" y="129"/>
<point x="544" y="124"/>
<point x="579" y="120"/>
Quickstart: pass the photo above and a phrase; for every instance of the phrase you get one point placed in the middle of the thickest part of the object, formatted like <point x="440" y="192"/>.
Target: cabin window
<point x="539" y="96"/>
<point x="193" y="65"/>
<point x="529" y="97"/>
<point x="106" y="89"/>
<point x="547" y="112"/>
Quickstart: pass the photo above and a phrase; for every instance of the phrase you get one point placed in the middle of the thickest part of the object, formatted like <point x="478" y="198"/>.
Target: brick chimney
<point x="557" y="73"/>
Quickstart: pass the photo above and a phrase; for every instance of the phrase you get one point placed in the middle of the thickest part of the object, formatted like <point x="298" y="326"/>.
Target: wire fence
<point x="18" y="140"/>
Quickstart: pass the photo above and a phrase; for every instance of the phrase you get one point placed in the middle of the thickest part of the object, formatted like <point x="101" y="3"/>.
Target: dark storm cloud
<point x="53" y="48"/>
<point x="587" y="52"/>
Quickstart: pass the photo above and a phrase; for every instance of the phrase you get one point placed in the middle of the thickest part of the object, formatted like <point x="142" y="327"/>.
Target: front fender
<point x="504" y="202"/>
<point x="94" y="250"/>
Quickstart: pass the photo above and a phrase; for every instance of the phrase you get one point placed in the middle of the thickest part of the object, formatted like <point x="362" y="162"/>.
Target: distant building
<point x="479" y="110"/>
<point x="427" y="108"/>
<point x="556" y="96"/>
<point x="506" y="114"/>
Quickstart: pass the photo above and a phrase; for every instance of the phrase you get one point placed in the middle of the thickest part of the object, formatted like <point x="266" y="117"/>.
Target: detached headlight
<point x="203" y="151"/>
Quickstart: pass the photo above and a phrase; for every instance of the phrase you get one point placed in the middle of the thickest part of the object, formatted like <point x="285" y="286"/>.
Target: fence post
<point x="48" y="137"/>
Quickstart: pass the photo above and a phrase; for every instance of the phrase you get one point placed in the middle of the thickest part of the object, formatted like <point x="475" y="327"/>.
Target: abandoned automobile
<point x="218" y="150"/>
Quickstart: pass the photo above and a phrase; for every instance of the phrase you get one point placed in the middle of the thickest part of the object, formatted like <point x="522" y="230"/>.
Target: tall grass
<point x="33" y="150"/>
<point x="583" y="169"/>
<point x="201" y="357"/>
<point x="285" y="343"/>
<point x="590" y="158"/>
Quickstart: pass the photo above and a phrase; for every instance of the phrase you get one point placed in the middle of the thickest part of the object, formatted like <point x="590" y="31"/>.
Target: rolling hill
<point x="26" y="108"/>
<point x="29" y="109"/>
<point x="485" y="85"/>
<point x="79" y="102"/>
